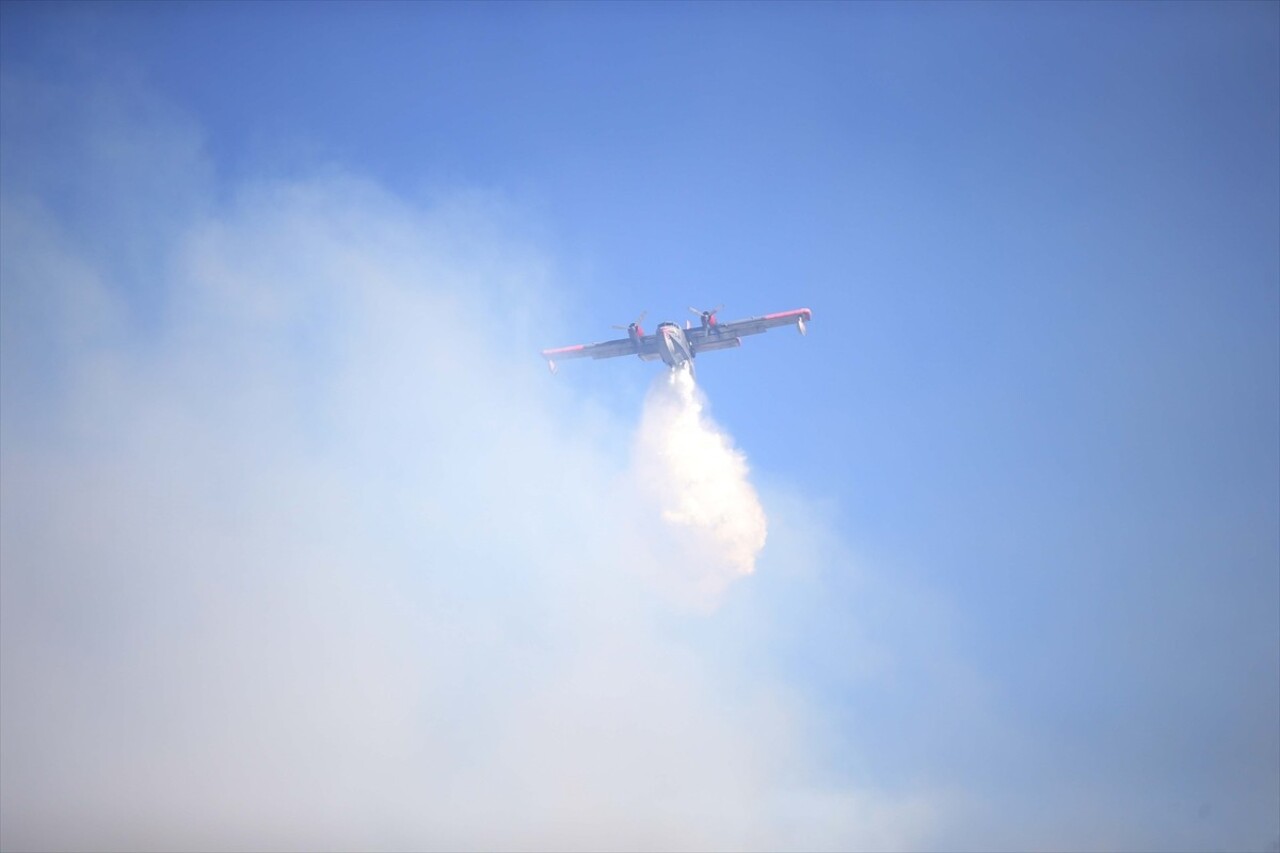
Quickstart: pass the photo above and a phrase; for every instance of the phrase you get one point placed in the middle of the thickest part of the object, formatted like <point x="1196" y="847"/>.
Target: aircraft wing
<point x="646" y="348"/>
<point x="720" y="335"/>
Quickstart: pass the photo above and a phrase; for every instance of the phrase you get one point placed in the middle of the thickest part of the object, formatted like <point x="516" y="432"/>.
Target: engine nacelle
<point x="804" y="330"/>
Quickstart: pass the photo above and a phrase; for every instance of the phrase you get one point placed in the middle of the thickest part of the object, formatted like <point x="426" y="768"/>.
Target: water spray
<point x="688" y="464"/>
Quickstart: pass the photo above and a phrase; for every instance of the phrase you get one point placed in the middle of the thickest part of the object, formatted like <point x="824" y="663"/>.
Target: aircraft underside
<point x="676" y="346"/>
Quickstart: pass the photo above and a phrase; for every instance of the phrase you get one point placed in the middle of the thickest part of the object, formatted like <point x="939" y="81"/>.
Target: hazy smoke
<point x="297" y="553"/>
<point x="688" y="464"/>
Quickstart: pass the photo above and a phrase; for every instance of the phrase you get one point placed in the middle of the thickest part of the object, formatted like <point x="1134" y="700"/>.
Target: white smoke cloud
<point x="689" y="466"/>
<point x="301" y="549"/>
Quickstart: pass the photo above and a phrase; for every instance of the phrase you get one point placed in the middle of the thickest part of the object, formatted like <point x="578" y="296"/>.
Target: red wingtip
<point x="547" y="353"/>
<point x="798" y="312"/>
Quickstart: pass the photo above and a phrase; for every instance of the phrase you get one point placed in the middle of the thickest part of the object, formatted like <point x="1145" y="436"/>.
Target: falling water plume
<point x="688" y="464"/>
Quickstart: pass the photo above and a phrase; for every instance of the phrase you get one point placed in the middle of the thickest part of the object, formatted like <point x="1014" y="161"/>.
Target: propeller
<point x="708" y="317"/>
<point x="637" y="323"/>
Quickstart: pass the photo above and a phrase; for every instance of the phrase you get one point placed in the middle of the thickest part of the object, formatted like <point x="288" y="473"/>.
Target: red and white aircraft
<point x="677" y="346"/>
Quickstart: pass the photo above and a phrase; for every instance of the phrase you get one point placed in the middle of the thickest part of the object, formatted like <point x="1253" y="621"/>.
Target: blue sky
<point x="1028" y="456"/>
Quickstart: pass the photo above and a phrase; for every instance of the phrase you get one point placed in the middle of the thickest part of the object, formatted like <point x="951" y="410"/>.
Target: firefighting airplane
<point x="676" y="346"/>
